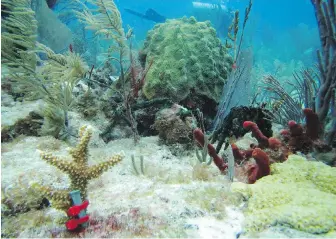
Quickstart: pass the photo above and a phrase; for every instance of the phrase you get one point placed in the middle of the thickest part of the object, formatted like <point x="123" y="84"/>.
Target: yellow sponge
<point x="300" y="194"/>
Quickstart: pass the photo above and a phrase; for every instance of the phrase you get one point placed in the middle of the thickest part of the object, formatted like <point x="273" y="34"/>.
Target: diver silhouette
<point x="150" y="15"/>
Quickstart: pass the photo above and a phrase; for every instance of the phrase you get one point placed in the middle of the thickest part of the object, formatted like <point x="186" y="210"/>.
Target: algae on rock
<point x="298" y="193"/>
<point x="187" y="56"/>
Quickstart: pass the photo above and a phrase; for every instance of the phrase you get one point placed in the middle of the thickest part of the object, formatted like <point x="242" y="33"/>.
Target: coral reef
<point x="231" y="124"/>
<point x="269" y="150"/>
<point x="29" y="126"/>
<point x="219" y="161"/>
<point x="264" y="142"/>
<point x="305" y="138"/>
<point x="172" y="128"/>
<point x="254" y="171"/>
<point x="80" y="173"/>
<point x="87" y="104"/>
<point x="12" y="227"/>
<point x="55" y="79"/>
<point x="298" y="193"/>
<point x="19" y="198"/>
<point x="261" y="168"/>
<point x="187" y="56"/>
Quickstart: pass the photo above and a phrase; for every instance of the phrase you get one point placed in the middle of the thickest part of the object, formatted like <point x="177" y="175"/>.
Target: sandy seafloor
<point x="177" y="197"/>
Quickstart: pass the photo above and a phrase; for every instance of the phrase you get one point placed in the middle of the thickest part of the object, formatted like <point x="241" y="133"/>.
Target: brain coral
<point x="299" y="194"/>
<point x="186" y="55"/>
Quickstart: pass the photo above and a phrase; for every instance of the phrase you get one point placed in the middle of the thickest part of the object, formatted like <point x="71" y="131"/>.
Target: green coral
<point x="78" y="171"/>
<point x="299" y="193"/>
<point x="186" y="55"/>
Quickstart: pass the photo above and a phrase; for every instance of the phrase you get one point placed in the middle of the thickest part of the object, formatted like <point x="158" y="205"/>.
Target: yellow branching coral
<point x="78" y="170"/>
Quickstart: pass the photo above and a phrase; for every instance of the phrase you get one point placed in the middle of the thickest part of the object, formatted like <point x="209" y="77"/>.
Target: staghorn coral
<point x="80" y="173"/>
<point x="298" y="193"/>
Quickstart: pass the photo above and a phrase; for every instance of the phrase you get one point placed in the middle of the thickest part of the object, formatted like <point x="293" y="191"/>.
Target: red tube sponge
<point x="274" y="143"/>
<point x="295" y="128"/>
<point x="312" y="124"/>
<point x="253" y="127"/>
<point x="240" y="155"/>
<point x="262" y="167"/>
<point x="199" y="137"/>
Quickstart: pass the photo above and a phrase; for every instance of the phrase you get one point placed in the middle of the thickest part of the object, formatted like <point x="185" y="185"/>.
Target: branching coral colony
<point x="78" y="170"/>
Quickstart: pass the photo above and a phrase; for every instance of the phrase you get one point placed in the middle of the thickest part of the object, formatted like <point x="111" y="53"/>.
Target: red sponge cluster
<point x="304" y="138"/>
<point x="256" y="133"/>
<point x="263" y="141"/>
<point x="268" y="150"/>
<point x="261" y="167"/>
<point x="220" y="163"/>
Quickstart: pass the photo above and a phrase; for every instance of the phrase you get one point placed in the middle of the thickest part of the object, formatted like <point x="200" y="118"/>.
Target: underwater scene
<point x="168" y="119"/>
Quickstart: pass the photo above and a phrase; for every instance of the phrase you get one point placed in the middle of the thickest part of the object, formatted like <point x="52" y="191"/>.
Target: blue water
<point x="270" y="21"/>
<point x="283" y="30"/>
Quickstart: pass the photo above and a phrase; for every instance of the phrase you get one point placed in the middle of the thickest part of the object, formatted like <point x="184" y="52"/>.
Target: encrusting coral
<point x="80" y="173"/>
<point x="298" y="193"/>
